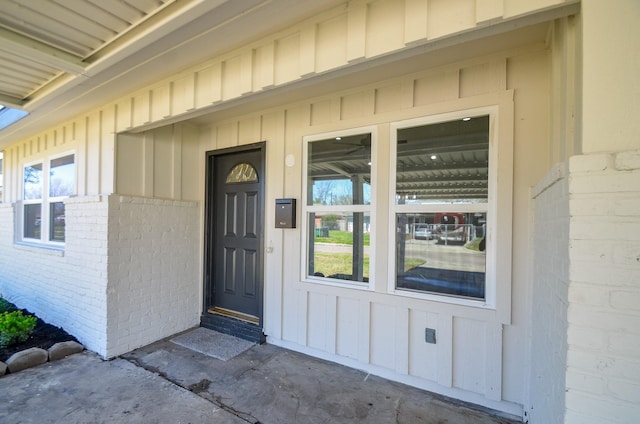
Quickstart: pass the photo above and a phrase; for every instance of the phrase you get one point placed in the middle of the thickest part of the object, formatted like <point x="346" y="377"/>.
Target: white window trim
<point x="371" y="209"/>
<point x="45" y="202"/>
<point x="498" y="208"/>
<point x="23" y="201"/>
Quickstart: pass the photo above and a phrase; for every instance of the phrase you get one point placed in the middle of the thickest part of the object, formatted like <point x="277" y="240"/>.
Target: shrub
<point x="15" y="327"/>
<point x="5" y="305"/>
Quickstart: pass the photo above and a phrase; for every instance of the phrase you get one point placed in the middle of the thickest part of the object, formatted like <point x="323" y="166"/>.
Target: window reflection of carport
<point x="442" y="182"/>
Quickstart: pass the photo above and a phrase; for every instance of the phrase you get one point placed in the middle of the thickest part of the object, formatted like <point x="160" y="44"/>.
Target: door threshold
<point x="232" y="326"/>
<point x="251" y="319"/>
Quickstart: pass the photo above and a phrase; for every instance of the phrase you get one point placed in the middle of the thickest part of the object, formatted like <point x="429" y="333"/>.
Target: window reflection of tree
<point x="32" y="182"/>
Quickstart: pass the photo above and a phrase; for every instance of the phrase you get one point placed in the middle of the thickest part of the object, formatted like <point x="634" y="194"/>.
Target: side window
<point x="61" y="185"/>
<point x="338" y="171"/>
<point x="45" y="186"/>
<point x="442" y="205"/>
<point x="33" y="180"/>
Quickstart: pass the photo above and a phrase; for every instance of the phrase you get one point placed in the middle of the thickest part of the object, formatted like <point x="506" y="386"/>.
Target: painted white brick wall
<point x="549" y="298"/>
<point x="603" y="360"/>
<point x="65" y="288"/>
<point x="154" y="261"/>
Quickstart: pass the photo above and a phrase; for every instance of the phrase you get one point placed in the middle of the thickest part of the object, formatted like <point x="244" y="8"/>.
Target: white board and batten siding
<point x="372" y="329"/>
<point x="480" y="355"/>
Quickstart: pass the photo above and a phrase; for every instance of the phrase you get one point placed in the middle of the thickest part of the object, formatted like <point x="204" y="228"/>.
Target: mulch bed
<point x="44" y="336"/>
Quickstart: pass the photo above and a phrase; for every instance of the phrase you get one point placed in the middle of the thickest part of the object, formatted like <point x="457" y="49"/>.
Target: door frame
<point x="208" y="319"/>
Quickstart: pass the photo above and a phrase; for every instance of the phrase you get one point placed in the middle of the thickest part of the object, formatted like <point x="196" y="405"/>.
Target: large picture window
<point x="448" y="203"/>
<point x="45" y="185"/>
<point x="338" y="206"/>
<point x="442" y="205"/>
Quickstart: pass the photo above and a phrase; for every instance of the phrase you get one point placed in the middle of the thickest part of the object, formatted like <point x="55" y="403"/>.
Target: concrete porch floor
<point x="166" y="383"/>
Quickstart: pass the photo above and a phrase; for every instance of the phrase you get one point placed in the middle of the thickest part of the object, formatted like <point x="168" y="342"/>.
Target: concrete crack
<point x="200" y="389"/>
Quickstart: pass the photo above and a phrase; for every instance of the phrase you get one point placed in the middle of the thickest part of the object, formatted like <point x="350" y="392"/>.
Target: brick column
<point x="603" y="360"/>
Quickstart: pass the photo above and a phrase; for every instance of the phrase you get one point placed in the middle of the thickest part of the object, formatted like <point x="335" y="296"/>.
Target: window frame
<point x="368" y="208"/>
<point x="45" y="202"/>
<point x="38" y="201"/>
<point x="498" y="207"/>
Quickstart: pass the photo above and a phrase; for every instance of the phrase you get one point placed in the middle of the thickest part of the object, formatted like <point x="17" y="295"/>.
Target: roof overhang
<point x="47" y="78"/>
<point x="180" y="34"/>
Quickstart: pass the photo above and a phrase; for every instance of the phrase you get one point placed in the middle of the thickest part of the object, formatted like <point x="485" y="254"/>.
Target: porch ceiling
<point x="59" y="58"/>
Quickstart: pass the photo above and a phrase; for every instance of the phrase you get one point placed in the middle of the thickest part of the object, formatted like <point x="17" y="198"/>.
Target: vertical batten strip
<point x="256" y="66"/>
<point x="493" y="365"/>
<point x="208" y="85"/>
<point x="124" y="111"/>
<point x="98" y="117"/>
<point x="407" y="93"/>
<point x="498" y="74"/>
<point x="216" y="83"/>
<point x="10" y="160"/>
<point x="364" y="331"/>
<point x="160" y="98"/>
<point x="17" y="182"/>
<point x="308" y="50"/>
<point x="141" y="108"/>
<point x="369" y="102"/>
<point x="183" y="94"/>
<point x="246" y="72"/>
<point x="336" y="108"/>
<point x="275" y="259"/>
<point x="147" y="164"/>
<point x="356" y="32"/>
<point x="331" y="326"/>
<point x="268" y="65"/>
<point x="459" y="83"/>
<point x="176" y="169"/>
<point x="303" y="318"/>
<point x="444" y="354"/>
<point x="93" y="146"/>
<point x="108" y="136"/>
<point x="401" y="351"/>
<point x="81" y="139"/>
<point x="415" y="21"/>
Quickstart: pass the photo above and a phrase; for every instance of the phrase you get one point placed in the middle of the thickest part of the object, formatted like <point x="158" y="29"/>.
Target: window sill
<point x="443" y="298"/>
<point x="345" y="284"/>
<point x="40" y="248"/>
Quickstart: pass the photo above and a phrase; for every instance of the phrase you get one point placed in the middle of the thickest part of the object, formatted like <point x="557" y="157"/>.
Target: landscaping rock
<point x="64" y="349"/>
<point x="3" y="368"/>
<point x="27" y="359"/>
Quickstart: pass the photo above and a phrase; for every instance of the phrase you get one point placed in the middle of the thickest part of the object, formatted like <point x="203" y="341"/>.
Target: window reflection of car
<point x="37" y="222"/>
<point x="422" y="232"/>
<point x="451" y="234"/>
<point x="450" y="228"/>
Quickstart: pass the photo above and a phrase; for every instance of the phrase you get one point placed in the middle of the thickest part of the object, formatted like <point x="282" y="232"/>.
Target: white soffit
<point x="42" y="40"/>
<point x="54" y="52"/>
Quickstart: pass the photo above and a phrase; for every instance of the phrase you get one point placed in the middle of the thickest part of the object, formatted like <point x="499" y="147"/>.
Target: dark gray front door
<point x="235" y="218"/>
